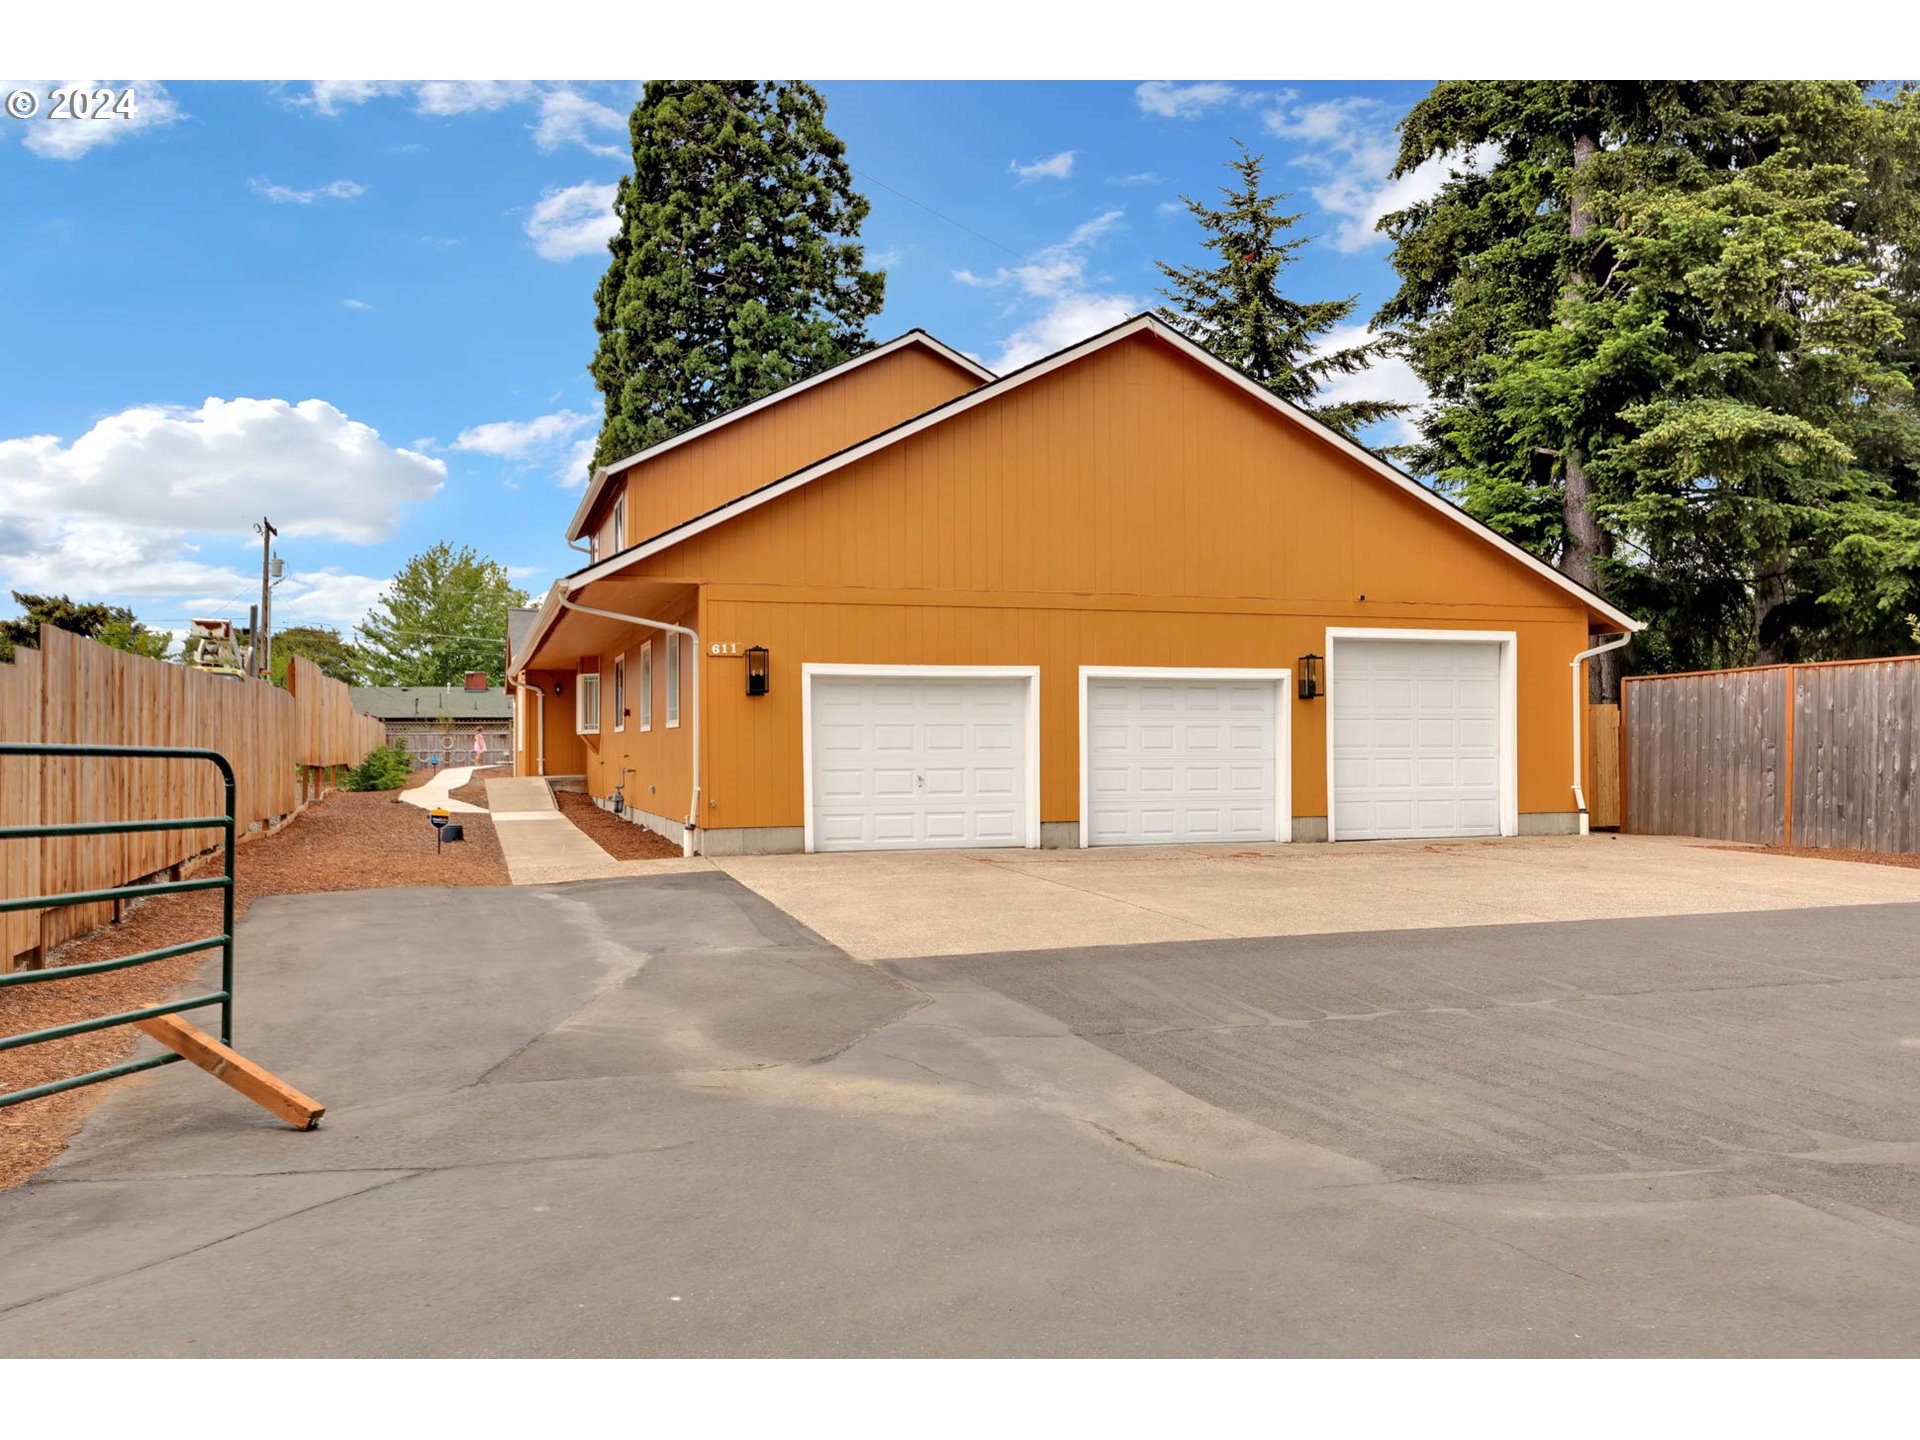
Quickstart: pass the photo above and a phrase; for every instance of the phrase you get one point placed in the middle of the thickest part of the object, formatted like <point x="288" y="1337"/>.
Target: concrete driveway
<point x="660" y="1117"/>
<point x="963" y="902"/>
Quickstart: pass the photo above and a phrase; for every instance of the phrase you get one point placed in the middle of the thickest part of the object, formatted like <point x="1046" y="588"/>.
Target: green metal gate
<point x="223" y="997"/>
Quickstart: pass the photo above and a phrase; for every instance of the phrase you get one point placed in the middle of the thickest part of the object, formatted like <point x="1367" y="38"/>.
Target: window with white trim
<point x="619" y="527"/>
<point x="619" y="692"/>
<point x="673" y="682"/>
<point x="586" y="697"/>
<point x="646" y="685"/>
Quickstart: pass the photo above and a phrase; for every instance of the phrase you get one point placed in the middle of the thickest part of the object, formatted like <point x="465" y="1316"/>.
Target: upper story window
<point x="646" y="685"/>
<point x="619" y="692"/>
<point x="587" y="697"/>
<point x="673" y="682"/>
<point x="617" y="531"/>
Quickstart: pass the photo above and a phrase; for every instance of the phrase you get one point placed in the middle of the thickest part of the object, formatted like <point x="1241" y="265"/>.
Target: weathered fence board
<point x="1854" y="756"/>
<point x="73" y="691"/>
<point x="1603" y="766"/>
<point x="1824" y="754"/>
<point x="1707" y="754"/>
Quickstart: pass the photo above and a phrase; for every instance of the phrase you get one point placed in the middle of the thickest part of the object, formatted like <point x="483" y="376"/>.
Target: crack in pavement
<point x="1142" y="1150"/>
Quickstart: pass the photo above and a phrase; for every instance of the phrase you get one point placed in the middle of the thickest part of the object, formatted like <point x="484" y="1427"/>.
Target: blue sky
<point x="366" y="309"/>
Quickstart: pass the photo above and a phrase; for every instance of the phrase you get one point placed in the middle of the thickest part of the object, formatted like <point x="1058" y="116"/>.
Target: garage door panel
<point x="1416" y="739"/>
<point x="904" y="762"/>
<point x="1172" y="761"/>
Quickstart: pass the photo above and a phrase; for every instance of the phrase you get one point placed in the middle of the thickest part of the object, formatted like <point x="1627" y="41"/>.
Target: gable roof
<point x="1139" y="324"/>
<point x="919" y="337"/>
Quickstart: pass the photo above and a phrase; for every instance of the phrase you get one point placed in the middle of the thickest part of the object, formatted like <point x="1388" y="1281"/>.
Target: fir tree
<point x="737" y="268"/>
<point x="1234" y="307"/>
<point x="1661" y="325"/>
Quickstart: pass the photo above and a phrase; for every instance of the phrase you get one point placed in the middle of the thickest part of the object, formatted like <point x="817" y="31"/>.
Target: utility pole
<point x="262" y="661"/>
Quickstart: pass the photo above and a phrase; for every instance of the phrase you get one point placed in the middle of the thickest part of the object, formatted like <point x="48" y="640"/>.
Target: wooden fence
<point x="1825" y="754"/>
<point x="283" y="744"/>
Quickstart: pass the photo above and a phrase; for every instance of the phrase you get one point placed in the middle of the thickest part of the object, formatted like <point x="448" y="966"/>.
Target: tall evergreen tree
<point x="737" y="268"/>
<point x="1655" y="319"/>
<point x="444" y="614"/>
<point x="1235" y="307"/>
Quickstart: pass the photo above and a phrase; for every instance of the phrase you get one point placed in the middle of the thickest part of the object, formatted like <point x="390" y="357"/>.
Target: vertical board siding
<point x="72" y="691"/>
<point x="1707" y="755"/>
<point x="1854" y="754"/>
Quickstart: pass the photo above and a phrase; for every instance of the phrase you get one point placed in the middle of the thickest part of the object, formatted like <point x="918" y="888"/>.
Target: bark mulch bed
<point x="621" y="839"/>
<point x="1814" y="852"/>
<point x="345" y="842"/>
<point x="474" y="792"/>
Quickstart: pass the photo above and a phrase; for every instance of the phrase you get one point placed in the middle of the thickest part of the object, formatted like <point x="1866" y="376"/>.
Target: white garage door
<point x="1416" y="739"/>
<point x="913" y="763"/>
<point x="1174" y="761"/>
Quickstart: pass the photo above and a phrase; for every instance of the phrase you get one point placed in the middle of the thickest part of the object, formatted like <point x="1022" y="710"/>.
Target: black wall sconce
<point x="1312" y="677"/>
<point x="757" y="676"/>
<point x="558" y="686"/>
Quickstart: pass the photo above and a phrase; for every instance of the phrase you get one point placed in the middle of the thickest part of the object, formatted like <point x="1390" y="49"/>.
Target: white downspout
<point x="1579" y="708"/>
<point x="693" y="812"/>
<point x="540" y="716"/>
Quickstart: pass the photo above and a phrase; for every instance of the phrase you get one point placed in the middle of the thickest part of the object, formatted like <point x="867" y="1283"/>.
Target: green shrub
<point x="385" y="768"/>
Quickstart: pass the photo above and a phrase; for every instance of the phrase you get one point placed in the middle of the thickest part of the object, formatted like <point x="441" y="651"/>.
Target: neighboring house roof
<point x="1137" y="325"/>
<point x="520" y="620"/>
<point x="430" y="702"/>
<point x="577" y="526"/>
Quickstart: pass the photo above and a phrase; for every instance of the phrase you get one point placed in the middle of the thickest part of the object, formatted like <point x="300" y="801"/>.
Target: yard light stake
<point x="1311" y="677"/>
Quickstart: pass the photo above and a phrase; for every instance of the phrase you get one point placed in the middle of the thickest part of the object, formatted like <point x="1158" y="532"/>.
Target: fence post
<point x="1786" y="765"/>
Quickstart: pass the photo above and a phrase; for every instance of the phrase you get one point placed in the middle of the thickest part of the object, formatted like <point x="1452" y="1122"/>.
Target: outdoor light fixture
<point x="757" y="680"/>
<point x="1311" y="687"/>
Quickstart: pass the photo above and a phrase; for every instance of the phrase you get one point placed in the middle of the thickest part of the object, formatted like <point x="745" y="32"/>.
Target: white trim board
<point x="1282" y="728"/>
<point x="1029" y="673"/>
<point x="1142" y="324"/>
<point x="1509" y="643"/>
<point x="765" y="402"/>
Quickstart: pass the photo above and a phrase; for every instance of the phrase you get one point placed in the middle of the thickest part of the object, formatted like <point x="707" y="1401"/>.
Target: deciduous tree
<point x="444" y="614"/>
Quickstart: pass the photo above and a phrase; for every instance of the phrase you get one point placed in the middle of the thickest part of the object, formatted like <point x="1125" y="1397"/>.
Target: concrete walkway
<point x="437" y="792"/>
<point x="543" y="847"/>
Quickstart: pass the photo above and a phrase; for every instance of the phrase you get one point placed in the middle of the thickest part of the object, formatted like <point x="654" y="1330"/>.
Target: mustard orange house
<point x="1123" y="595"/>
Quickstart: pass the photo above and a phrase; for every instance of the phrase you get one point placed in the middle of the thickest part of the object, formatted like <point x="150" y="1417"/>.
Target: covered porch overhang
<point x="563" y="636"/>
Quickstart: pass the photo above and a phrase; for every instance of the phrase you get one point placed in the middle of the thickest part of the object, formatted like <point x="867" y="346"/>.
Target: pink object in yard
<point x="479" y="746"/>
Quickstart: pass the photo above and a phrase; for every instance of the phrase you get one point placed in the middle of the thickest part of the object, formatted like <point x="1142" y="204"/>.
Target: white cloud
<point x="329" y="97"/>
<point x="551" y="440"/>
<point x="1388" y="378"/>
<point x="1058" y="301"/>
<point x="129" y="508"/>
<point x="570" y="118"/>
<point x="330" y="596"/>
<point x="359" y="305"/>
<point x="1350" y="142"/>
<point x="1171" y="207"/>
<point x="1174" y="101"/>
<point x="519" y="439"/>
<point x="287" y="195"/>
<point x="566" y="115"/>
<point x="67" y="139"/>
<point x="1053" y="167"/>
<point x="464" y="97"/>
<point x="1139" y="177"/>
<point x="575" y="221"/>
<point x="218" y="467"/>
